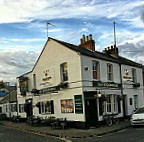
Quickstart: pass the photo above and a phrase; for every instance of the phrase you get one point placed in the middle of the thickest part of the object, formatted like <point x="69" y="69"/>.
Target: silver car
<point x="138" y="117"/>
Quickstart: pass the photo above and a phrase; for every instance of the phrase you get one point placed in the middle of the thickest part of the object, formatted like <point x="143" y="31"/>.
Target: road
<point x="126" y="135"/>
<point x="12" y="135"/>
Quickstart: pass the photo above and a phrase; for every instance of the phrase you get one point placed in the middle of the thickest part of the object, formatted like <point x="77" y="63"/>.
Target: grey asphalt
<point x="13" y="135"/>
<point x="126" y="135"/>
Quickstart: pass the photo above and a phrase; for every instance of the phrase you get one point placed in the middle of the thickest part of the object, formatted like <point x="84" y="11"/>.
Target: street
<point x="126" y="135"/>
<point x="13" y="135"/>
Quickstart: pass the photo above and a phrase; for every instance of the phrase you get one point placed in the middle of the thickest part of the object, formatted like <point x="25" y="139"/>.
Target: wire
<point x="134" y="51"/>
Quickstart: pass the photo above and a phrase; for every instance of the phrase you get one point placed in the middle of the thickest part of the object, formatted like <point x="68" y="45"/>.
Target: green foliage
<point x="50" y="120"/>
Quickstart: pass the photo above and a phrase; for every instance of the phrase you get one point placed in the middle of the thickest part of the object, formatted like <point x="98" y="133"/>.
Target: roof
<point x="99" y="55"/>
<point x="94" y="54"/>
<point x="11" y="97"/>
<point x="2" y="94"/>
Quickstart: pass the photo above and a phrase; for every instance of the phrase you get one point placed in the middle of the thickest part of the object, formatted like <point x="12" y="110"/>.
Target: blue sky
<point x="23" y="28"/>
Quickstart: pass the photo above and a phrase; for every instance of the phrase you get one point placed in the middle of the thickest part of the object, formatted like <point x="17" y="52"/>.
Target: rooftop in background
<point x="12" y="96"/>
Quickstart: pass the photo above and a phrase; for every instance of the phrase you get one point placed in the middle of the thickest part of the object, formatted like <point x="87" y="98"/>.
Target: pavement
<point x="68" y="133"/>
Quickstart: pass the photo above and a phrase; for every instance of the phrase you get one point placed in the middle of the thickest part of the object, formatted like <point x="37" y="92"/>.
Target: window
<point x="34" y="81"/>
<point x="110" y="72"/>
<point x="135" y="101"/>
<point x="134" y="79"/>
<point x="21" y="108"/>
<point x="67" y="106"/>
<point x="64" y="72"/>
<point x="114" y="103"/>
<point x="130" y="100"/>
<point x="7" y="108"/>
<point x="95" y="66"/>
<point x="46" y="107"/>
<point x="109" y="103"/>
<point x="0" y="109"/>
<point x="13" y="108"/>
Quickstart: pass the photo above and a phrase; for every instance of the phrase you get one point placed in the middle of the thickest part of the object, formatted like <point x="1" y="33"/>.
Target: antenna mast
<point x="114" y="34"/>
<point x="47" y="27"/>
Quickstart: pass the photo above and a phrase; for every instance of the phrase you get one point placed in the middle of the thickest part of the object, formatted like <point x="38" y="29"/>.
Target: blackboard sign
<point x="78" y="104"/>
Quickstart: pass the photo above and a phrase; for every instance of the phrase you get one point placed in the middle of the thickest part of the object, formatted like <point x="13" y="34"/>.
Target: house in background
<point x="8" y="105"/>
<point x="80" y="84"/>
<point x="5" y="88"/>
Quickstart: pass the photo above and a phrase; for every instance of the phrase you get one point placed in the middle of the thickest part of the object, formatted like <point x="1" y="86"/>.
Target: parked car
<point x="138" y="117"/>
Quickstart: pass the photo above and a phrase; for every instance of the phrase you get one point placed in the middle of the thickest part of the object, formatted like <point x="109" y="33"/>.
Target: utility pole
<point x="47" y="27"/>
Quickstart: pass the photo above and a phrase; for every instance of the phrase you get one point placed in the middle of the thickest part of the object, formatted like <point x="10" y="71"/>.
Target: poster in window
<point x="67" y="106"/>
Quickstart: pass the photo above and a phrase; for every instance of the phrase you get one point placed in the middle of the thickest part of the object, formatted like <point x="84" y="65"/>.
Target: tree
<point x="2" y="84"/>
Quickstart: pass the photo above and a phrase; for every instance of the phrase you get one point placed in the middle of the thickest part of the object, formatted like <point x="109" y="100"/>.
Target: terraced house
<point x="80" y="84"/>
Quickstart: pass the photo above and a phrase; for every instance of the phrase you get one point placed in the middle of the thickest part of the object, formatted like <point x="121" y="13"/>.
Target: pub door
<point x="91" y="112"/>
<point x="28" y="108"/>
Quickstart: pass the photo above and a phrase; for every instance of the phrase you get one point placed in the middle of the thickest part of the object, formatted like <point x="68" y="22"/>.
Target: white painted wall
<point x="52" y="57"/>
<point x="130" y="91"/>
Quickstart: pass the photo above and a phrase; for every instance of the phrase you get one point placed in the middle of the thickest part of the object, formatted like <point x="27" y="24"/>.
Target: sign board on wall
<point x="106" y="84"/>
<point x="78" y="104"/>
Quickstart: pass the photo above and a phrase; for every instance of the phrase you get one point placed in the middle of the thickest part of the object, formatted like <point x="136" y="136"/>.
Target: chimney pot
<point x="83" y="38"/>
<point x="87" y="38"/>
<point x="90" y="37"/>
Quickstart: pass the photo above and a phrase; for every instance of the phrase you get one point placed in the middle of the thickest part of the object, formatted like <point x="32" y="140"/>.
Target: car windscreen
<point x="139" y="110"/>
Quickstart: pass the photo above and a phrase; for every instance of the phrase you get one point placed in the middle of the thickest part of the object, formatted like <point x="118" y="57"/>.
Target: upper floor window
<point x="134" y="79"/>
<point x="96" y="74"/>
<point x="64" y="72"/>
<point x="34" y="81"/>
<point x="110" y="72"/>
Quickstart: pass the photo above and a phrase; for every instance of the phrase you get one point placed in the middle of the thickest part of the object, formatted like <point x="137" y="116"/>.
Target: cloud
<point x="133" y="51"/>
<point x="29" y="10"/>
<point x="14" y="64"/>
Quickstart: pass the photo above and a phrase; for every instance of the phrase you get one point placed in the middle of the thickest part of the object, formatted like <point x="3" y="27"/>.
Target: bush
<point x="50" y="120"/>
<point x="2" y="116"/>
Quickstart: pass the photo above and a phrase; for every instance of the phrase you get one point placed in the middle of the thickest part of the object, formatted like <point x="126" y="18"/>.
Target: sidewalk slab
<point x="68" y="133"/>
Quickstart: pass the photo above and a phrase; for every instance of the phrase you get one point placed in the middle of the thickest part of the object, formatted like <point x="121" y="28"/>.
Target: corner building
<point x="79" y="84"/>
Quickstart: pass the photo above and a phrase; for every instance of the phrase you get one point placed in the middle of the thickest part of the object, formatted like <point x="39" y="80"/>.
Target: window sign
<point x="67" y="106"/>
<point x="78" y="104"/>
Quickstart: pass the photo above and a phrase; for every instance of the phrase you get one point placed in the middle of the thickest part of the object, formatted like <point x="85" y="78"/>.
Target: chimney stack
<point x="112" y="51"/>
<point x="87" y="42"/>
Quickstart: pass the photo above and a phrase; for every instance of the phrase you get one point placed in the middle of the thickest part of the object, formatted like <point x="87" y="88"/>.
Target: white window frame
<point x="109" y="105"/>
<point x="98" y="69"/>
<point x="135" y="101"/>
<point x="110" y="73"/>
<point x="62" y="72"/>
<point x="21" y="108"/>
<point x="112" y="104"/>
<point x="43" y="107"/>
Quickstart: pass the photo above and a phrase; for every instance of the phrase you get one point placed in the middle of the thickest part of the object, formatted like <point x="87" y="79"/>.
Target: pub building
<point x="79" y="84"/>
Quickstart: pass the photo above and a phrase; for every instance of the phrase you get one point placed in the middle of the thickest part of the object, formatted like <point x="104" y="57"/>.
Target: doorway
<point x="91" y="112"/>
<point x="28" y="108"/>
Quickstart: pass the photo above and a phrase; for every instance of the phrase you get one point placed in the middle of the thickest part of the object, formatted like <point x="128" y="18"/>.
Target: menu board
<point x="78" y="104"/>
<point x="67" y="106"/>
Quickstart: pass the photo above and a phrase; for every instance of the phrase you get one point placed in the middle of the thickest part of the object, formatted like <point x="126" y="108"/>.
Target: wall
<point x="50" y="60"/>
<point x="130" y="91"/>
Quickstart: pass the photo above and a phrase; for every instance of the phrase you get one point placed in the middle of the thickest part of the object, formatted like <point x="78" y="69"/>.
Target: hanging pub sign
<point x="23" y="85"/>
<point x="78" y="104"/>
<point x="106" y="84"/>
<point x="126" y="76"/>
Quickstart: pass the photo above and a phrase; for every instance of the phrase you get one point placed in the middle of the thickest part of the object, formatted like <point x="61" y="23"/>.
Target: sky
<point x="23" y="30"/>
